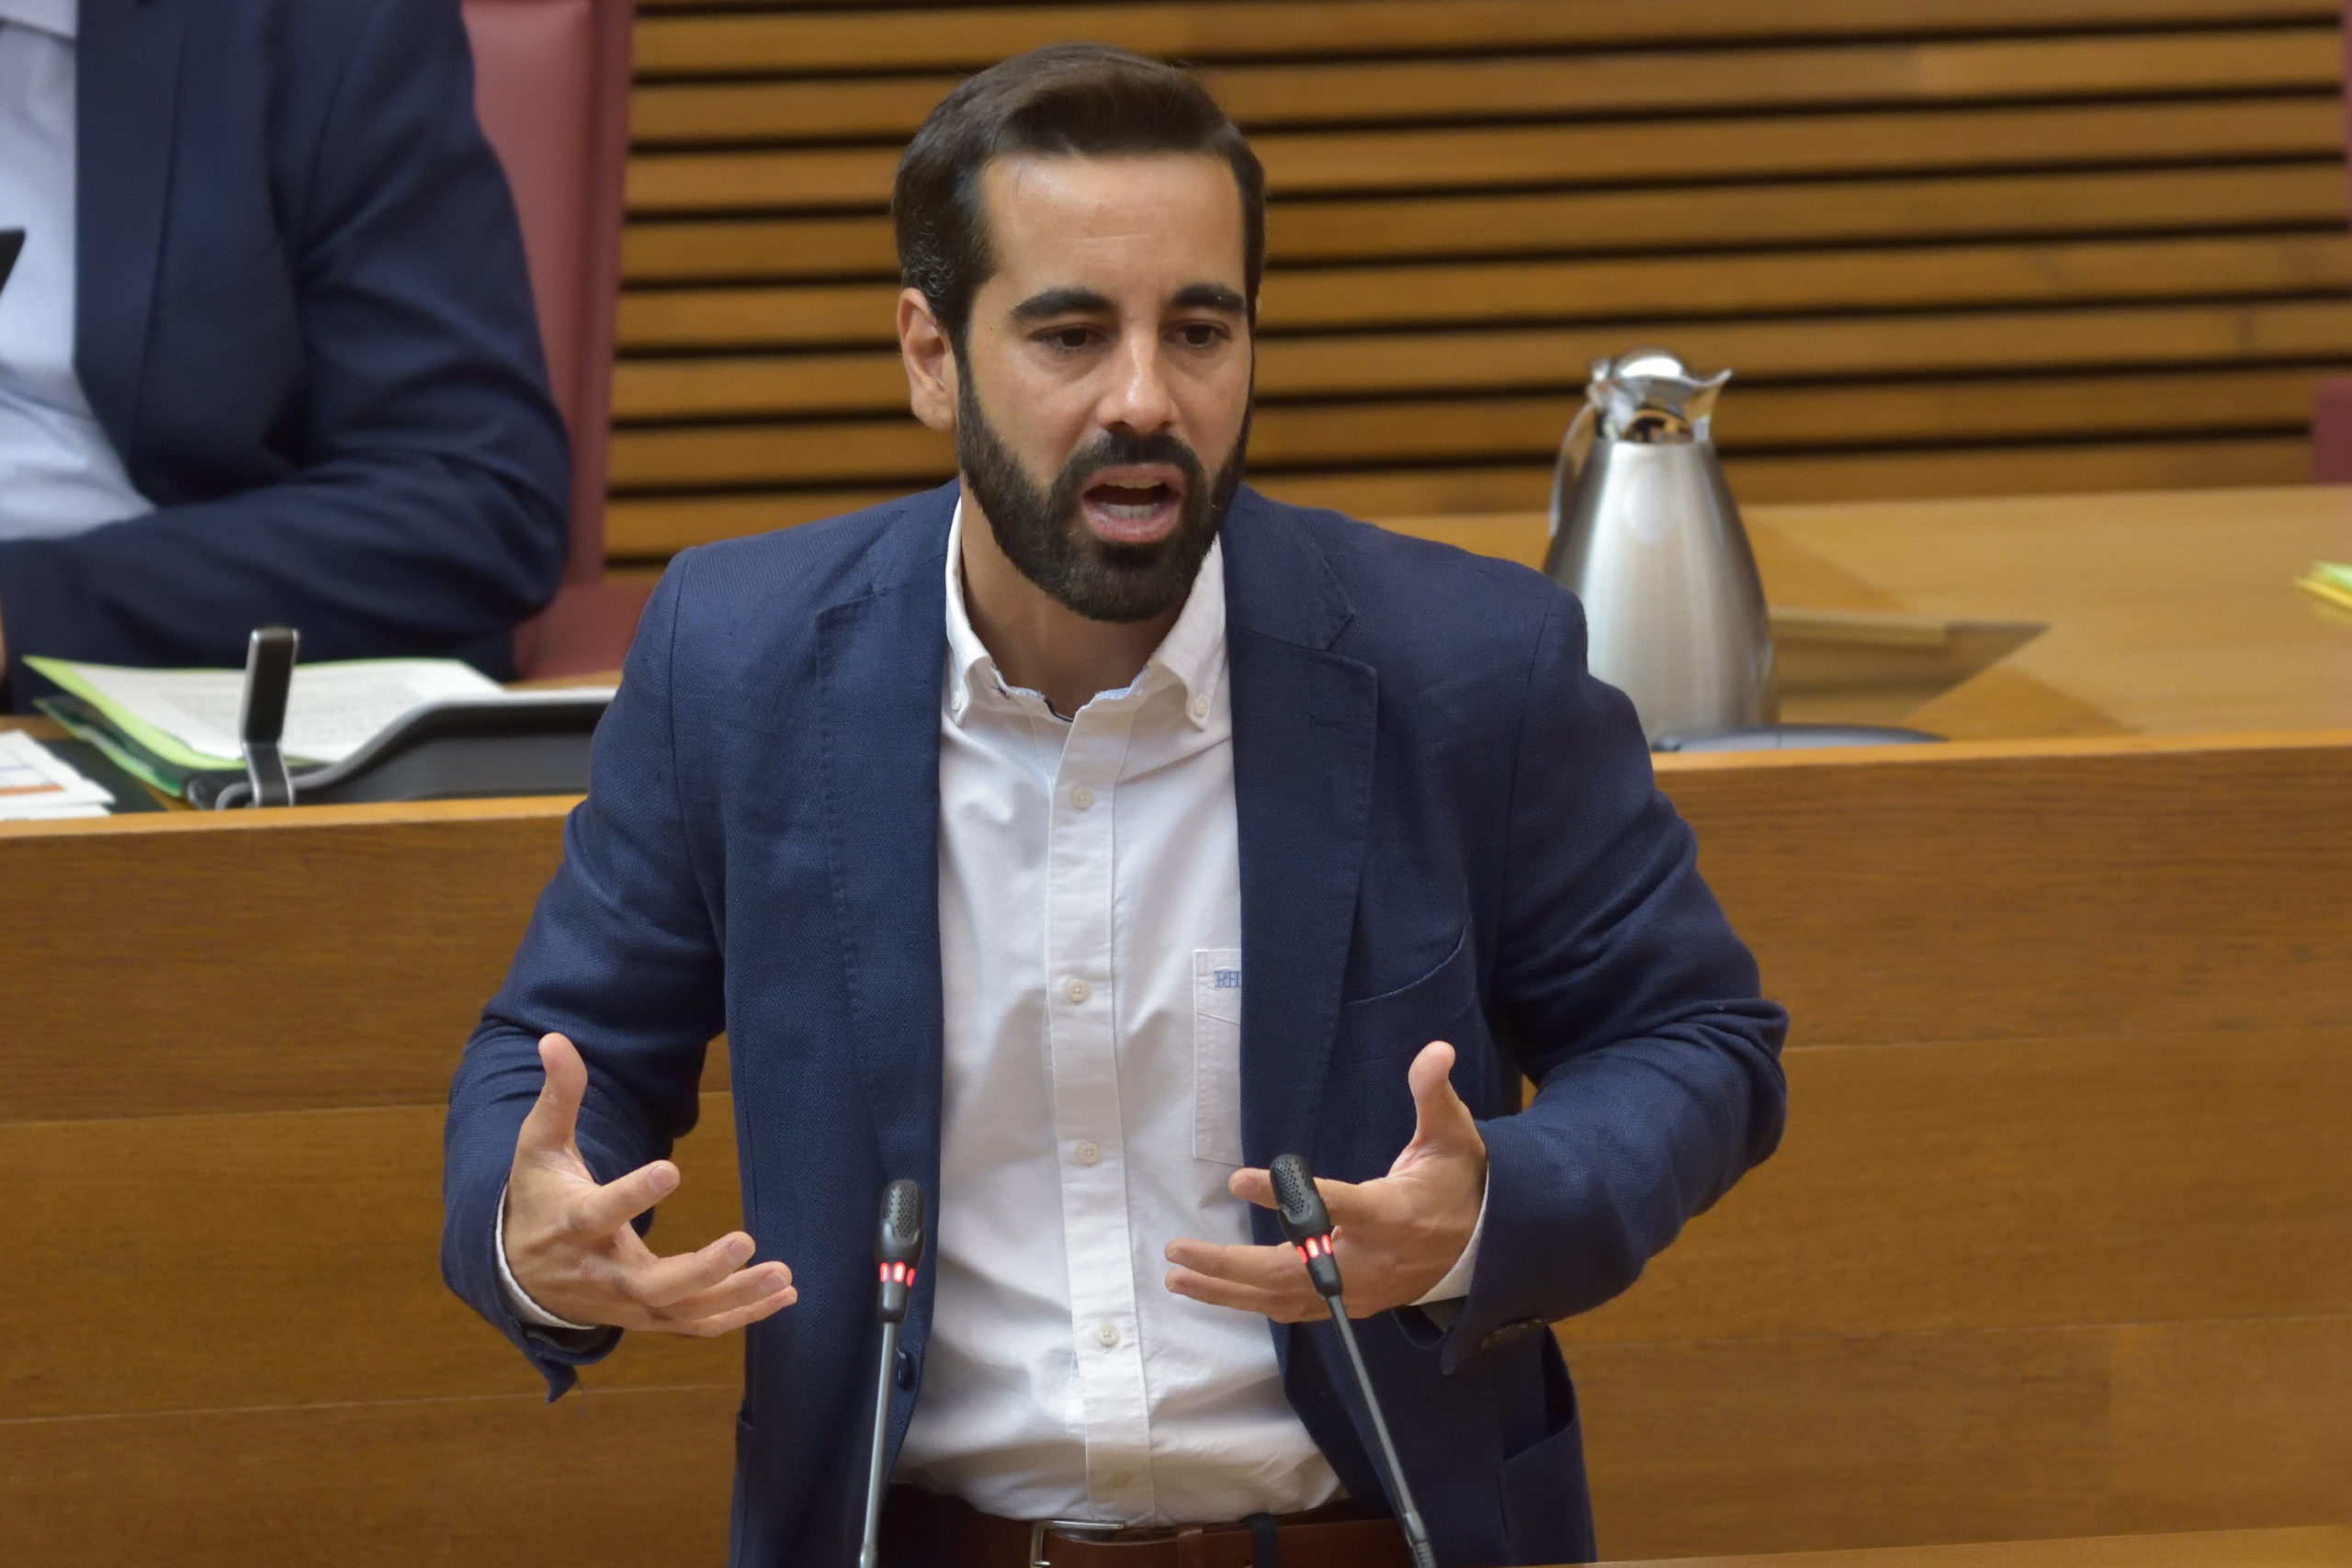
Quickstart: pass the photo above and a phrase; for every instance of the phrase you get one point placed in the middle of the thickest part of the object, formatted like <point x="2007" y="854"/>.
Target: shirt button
<point x="956" y="705"/>
<point x="1082" y="797"/>
<point x="1087" y="1153"/>
<point x="1118" y="1481"/>
<point x="1107" y="1336"/>
<point x="1075" y="990"/>
<point x="1200" y="707"/>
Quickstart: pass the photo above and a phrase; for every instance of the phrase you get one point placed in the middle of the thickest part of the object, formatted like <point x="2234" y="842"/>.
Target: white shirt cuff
<point x="1455" y="1284"/>
<point x="538" y="1316"/>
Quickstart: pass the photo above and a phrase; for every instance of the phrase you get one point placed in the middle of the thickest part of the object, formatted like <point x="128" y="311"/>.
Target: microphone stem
<point x="1408" y="1518"/>
<point x="877" y="1476"/>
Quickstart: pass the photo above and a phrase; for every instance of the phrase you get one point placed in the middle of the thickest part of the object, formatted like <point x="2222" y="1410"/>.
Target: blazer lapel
<point x="882" y="651"/>
<point x="1305" y="724"/>
<point x="127" y="70"/>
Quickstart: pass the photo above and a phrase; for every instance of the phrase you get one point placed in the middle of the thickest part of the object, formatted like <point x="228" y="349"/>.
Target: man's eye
<point x="1069" y="337"/>
<point x="1200" y="334"/>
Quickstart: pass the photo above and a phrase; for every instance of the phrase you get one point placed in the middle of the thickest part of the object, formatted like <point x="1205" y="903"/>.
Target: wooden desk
<point x="2055" y="1245"/>
<point x="2167" y="613"/>
<point x="2322" y="1547"/>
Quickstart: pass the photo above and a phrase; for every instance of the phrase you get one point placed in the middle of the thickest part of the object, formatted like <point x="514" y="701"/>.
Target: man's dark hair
<point x="1084" y="98"/>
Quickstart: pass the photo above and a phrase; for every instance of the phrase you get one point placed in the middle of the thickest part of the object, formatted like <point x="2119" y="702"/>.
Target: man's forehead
<point x="1056" y="213"/>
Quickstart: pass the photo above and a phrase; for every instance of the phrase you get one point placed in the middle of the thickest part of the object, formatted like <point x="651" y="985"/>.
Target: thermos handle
<point x="1575" y="449"/>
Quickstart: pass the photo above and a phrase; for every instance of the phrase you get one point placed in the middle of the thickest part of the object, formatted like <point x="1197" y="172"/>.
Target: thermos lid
<point x="1650" y="396"/>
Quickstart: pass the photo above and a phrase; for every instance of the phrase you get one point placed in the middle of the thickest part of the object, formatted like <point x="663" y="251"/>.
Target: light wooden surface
<point x="1949" y="247"/>
<point x="2054" y="1246"/>
<point x="2320" y="1546"/>
<point x="2166" y="613"/>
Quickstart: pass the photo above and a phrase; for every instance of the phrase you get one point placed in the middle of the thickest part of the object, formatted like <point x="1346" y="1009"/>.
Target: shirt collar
<point x="59" y="17"/>
<point x="1192" y="653"/>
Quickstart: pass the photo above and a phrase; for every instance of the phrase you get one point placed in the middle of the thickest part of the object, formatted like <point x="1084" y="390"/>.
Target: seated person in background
<point x="1073" y="839"/>
<point x="269" y="353"/>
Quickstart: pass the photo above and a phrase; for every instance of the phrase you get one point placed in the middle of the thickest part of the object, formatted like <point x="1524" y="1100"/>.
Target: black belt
<point x="923" y="1529"/>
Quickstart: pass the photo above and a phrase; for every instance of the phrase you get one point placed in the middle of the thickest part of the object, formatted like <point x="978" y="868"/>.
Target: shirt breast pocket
<point x="1216" y="1054"/>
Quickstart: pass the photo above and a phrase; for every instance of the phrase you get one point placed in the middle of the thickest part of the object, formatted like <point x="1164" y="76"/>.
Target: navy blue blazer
<point x="1448" y="830"/>
<point x="303" y="319"/>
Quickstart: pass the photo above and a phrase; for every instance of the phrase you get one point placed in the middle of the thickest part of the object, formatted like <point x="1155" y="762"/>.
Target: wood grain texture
<point x="1331" y="162"/>
<point x="1627" y="289"/>
<point x="795" y="40"/>
<point x="2024" y="1183"/>
<point x="1790" y="1445"/>
<point x="1360" y="92"/>
<point x="2302" y="195"/>
<point x="1481" y="198"/>
<point x="1527" y="429"/>
<point x="339" y="957"/>
<point x="2313" y="1546"/>
<point x="2094" y="887"/>
<point x="178" y="1250"/>
<point x="620" y="1479"/>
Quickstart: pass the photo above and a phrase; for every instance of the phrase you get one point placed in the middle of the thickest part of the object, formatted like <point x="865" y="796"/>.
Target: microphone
<point x="1307" y="1225"/>
<point x="898" y="1252"/>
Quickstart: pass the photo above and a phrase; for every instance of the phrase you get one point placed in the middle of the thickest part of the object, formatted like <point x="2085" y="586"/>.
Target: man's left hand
<point x="1395" y="1237"/>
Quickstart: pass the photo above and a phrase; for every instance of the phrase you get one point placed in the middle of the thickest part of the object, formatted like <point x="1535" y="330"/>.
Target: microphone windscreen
<point x="900" y="1238"/>
<point x="1296" y="1201"/>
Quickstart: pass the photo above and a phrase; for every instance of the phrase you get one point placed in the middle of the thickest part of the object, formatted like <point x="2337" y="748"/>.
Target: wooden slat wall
<point x="1949" y="246"/>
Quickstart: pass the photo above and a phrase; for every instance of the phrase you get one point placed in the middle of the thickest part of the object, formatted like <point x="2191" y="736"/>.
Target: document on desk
<point x="189" y="717"/>
<point x="37" y="785"/>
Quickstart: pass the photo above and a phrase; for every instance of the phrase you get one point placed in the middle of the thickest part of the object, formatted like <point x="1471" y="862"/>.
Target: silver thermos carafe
<point x="1645" y="531"/>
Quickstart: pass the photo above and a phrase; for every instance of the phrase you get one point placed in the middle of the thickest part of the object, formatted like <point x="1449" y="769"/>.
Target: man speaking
<point x="1072" y="839"/>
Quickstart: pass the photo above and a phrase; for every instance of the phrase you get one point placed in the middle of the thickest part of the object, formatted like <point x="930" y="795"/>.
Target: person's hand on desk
<point x="572" y="1250"/>
<point x="1396" y="1238"/>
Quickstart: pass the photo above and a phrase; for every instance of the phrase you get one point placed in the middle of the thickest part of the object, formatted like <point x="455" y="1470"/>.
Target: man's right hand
<point x="573" y="1250"/>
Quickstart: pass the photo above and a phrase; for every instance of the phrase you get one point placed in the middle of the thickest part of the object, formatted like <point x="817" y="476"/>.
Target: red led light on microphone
<point x="897" y="1274"/>
<point x="1315" y="1246"/>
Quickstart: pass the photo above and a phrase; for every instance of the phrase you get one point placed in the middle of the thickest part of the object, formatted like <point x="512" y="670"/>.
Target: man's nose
<point x="1137" y="399"/>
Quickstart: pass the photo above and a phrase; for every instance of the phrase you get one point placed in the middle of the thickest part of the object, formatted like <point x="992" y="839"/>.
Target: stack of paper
<point x="189" y="717"/>
<point x="2329" y="581"/>
<point x="37" y="786"/>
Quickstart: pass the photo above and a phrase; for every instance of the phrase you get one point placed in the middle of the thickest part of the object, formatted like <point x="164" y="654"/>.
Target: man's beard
<point x="1044" y="533"/>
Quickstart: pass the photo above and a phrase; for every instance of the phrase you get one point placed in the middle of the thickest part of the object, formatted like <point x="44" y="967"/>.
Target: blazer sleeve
<point x="1631" y="1004"/>
<point x="424" y="507"/>
<point x="621" y="956"/>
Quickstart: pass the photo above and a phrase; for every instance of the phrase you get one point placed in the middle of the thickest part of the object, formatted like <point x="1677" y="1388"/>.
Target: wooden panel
<point x="2111" y="887"/>
<point x="1712" y="150"/>
<point x="1359" y="92"/>
<point x="2310" y="193"/>
<point x="891" y="37"/>
<point x="1770" y="283"/>
<point x="651" y="528"/>
<point x="2024" y="1183"/>
<point x="2309" y="1546"/>
<point x="1785" y="1445"/>
<point x="620" y="1479"/>
<point x="331" y="1220"/>
<point x="1293" y="370"/>
<point x="1530" y="428"/>
<point x="1485" y="196"/>
<point x="2014" y="1184"/>
<point x="382" y="930"/>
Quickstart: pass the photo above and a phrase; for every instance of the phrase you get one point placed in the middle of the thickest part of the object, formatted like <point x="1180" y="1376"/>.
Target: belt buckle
<point x="1074" y="1527"/>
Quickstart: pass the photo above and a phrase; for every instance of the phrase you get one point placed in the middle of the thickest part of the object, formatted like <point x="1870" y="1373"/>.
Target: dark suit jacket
<point x="303" y="319"/>
<point x="1448" y="830"/>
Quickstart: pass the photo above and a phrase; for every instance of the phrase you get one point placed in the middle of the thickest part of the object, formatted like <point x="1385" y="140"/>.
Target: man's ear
<point x="930" y="360"/>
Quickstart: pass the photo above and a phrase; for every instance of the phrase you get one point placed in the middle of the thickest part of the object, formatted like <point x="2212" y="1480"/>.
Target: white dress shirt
<point x="1089" y="926"/>
<point x="58" y="474"/>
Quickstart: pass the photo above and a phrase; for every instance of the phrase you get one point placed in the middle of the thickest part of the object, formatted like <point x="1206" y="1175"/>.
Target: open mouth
<point x="1133" y="507"/>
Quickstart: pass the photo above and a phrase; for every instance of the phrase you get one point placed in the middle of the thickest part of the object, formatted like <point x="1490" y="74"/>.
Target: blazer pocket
<point x="1426" y="979"/>
<point x="1216" y="1054"/>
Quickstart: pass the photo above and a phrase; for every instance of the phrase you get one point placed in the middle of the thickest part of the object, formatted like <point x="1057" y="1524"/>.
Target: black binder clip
<point x="261" y="719"/>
